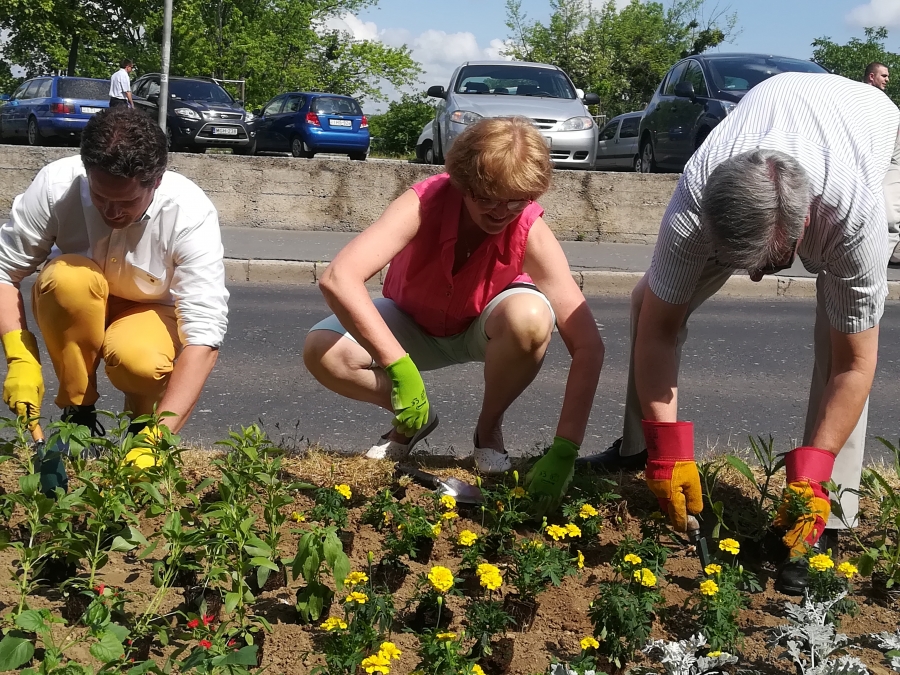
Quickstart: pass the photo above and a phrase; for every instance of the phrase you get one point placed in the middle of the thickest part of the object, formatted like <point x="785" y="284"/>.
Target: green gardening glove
<point x="408" y="397"/>
<point x="549" y="478"/>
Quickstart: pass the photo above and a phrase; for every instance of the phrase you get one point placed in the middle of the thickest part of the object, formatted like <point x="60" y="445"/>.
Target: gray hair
<point x="754" y="207"/>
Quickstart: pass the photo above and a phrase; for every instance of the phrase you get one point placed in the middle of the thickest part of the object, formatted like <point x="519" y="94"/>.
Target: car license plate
<point x="548" y="141"/>
<point x="89" y="110"/>
<point x="340" y="123"/>
<point x="225" y="131"/>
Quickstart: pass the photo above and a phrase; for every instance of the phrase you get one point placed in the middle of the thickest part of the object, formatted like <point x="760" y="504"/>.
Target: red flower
<point x="208" y="619"/>
<point x="206" y="644"/>
<point x="193" y="623"/>
<point x="231" y="643"/>
<point x="100" y="589"/>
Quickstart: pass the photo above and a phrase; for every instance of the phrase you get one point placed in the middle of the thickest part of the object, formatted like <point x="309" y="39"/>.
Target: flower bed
<point x="218" y="563"/>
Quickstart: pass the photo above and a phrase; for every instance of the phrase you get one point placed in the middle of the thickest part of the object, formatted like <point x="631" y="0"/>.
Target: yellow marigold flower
<point x="436" y="529"/>
<point x="389" y="650"/>
<point x="476" y="669"/>
<point x="357" y="597"/>
<point x="297" y="517"/>
<point x="712" y="569"/>
<point x="709" y="587"/>
<point x="517" y="492"/>
<point x="356" y="578"/>
<point x="714" y="655"/>
<point x="441" y="578"/>
<point x="645" y="577"/>
<point x="848" y="570"/>
<point x="532" y="543"/>
<point x="466" y="538"/>
<point x="633" y="559"/>
<point x="334" y="623"/>
<point x="573" y="530"/>
<point x="500" y="507"/>
<point x="821" y="562"/>
<point x="344" y="490"/>
<point x="556" y="532"/>
<point x="388" y="516"/>
<point x="448" y="502"/>
<point x="376" y="663"/>
<point x="446" y="636"/>
<point x="491" y="581"/>
<point x="580" y="560"/>
<point x="589" y="643"/>
<point x="730" y="546"/>
<point x="450" y="515"/>
<point x="486" y="568"/>
<point x="587" y="511"/>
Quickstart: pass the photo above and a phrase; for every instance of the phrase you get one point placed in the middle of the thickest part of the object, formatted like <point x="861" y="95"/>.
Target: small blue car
<point x="306" y="123"/>
<point x="57" y="108"/>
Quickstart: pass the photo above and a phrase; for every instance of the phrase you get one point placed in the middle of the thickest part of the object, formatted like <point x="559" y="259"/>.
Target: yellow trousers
<point x="81" y="323"/>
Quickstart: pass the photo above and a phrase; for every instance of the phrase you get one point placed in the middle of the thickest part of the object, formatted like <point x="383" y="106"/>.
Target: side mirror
<point x="153" y="98"/>
<point x="239" y="102"/>
<point x="437" y="91"/>
<point x="257" y="112"/>
<point x="685" y="90"/>
<point x="591" y="99"/>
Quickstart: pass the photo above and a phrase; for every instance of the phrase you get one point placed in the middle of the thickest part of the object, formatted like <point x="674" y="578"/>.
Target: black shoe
<point x="793" y="575"/>
<point x="85" y="416"/>
<point x="610" y="460"/>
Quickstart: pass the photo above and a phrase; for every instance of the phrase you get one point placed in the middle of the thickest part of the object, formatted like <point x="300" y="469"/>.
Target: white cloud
<point x="876" y="13"/>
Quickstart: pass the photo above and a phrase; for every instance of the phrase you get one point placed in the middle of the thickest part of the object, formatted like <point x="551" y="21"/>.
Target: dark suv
<point x="201" y="114"/>
<point x="697" y="94"/>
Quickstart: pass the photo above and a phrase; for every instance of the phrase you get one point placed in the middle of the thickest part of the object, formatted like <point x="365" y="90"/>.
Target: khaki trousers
<point x="847" y="467"/>
<point x="81" y="324"/>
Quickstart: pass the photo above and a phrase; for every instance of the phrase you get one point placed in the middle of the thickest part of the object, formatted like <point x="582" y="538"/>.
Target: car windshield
<point x="193" y="90"/>
<point x="742" y="73"/>
<point x="76" y="87"/>
<point x="511" y="80"/>
<point x="333" y="105"/>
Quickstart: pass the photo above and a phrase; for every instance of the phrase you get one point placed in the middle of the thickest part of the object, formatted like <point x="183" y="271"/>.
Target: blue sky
<point x="443" y="33"/>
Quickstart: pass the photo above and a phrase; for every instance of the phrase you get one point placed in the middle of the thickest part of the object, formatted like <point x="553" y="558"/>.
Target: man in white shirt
<point x="797" y="169"/>
<point x="134" y="275"/>
<point x="878" y="75"/>
<point x="120" y="85"/>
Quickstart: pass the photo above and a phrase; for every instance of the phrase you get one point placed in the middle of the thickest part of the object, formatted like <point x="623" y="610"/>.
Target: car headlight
<point x="249" y="116"/>
<point x="464" y="117"/>
<point x="577" y="124"/>
<point x="728" y="106"/>
<point x="187" y="113"/>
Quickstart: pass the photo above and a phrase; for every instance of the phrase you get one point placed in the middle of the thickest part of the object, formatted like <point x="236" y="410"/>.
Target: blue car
<point x="52" y="108"/>
<point x="307" y="123"/>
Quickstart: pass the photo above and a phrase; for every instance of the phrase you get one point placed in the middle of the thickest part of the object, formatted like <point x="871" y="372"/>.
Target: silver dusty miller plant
<point x="679" y="658"/>
<point x="811" y="640"/>
<point x="890" y="643"/>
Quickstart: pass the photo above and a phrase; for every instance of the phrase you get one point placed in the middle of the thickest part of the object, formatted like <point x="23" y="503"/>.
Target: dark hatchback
<point x="54" y="108"/>
<point x="200" y="113"/>
<point x="695" y="95"/>
<point x="304" y="123"/>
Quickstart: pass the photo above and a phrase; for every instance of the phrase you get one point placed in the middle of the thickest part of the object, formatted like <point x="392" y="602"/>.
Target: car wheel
<point x="298" y="148"/>
<point x="428" y="153"/>
<point x="358" y="156"/>
<point x="648" y="161"/>
<point x="34" y="134"/>
<point x="636" y="164"/>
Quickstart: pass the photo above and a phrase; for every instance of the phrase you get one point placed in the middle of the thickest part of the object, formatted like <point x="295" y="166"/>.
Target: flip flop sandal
<point x="388" y="449"/>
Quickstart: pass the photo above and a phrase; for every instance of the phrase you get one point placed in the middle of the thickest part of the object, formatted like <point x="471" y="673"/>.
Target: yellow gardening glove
<point x="23" y="388"/>
<point x="144" y="458"/>
<point x="805" y="531"/>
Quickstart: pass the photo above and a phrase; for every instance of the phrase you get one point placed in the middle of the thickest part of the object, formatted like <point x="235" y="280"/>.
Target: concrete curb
<point x="591" y="282"/>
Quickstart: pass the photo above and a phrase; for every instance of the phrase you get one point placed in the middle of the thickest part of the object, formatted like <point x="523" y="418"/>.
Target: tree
<point x="851" y="59"/>
<point x="621" y="55"/>
<point x="398" y="128"/>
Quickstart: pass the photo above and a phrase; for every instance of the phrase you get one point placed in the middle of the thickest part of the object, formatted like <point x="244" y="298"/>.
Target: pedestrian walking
<point x="475" y="275"/>
<point x="120" y="85"/>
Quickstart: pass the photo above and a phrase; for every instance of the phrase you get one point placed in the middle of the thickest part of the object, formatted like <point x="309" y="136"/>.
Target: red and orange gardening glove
<point x="671" y="470"/>
<point x="807" y="468"/>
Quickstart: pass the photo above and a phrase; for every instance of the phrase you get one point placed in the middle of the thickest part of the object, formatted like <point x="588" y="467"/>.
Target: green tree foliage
<point x="398" y="128"/>
<point x="620" y="54"/>
<point x="851" y="59"/>
<point x="278" y="45"/>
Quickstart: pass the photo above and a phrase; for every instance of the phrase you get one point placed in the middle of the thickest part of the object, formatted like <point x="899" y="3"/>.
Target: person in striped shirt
<point x="796" y="170"/>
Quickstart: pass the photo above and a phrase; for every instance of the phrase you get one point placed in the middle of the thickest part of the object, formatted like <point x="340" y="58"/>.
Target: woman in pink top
<point x="475" y="275"/>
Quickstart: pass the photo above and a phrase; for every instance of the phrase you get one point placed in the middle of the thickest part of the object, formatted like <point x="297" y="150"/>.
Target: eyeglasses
<point x="511" y="204"/>
<point x="774" y="268"/>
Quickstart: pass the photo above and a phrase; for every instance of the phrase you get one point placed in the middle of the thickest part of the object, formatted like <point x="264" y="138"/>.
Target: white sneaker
<point x="489" y="461"/>
<point x="388" y="449"/>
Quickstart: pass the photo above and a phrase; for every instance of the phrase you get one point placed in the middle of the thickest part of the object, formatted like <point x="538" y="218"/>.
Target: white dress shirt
<point x="842" y="133"/>
<point x="173" y="255"/>
<point x="119" y="83"/>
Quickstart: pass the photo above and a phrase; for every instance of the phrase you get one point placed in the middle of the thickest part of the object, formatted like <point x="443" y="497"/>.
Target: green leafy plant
<point x="753" y="522"/>
<point x="535" y="565"/>
<point x="380" y="511"/>
<point x="413" y="527"/>
<point x="217" y="650"/>
<point x="331" y="506"/>
<point x="716" y="607"/>
<point x="830" y="584"/>
<point x="587" y="517"/>
<point x="505" y="507"/>
<point x="442" y="653"/>
<point x="486" y="619"/>
<point x="317" y="549"/>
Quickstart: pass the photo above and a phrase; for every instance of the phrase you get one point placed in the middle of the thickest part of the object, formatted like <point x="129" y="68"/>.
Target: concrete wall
<point x="340" y="195"/>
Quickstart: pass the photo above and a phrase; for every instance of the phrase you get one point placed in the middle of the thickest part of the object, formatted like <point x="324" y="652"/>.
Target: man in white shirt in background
<point x="878" y="75"/>
<point x="120" y="85"/>
<point x="134" y="275"/>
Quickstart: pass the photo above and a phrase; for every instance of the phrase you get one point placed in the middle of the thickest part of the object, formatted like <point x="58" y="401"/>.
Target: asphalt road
<point x="745" y="371"/>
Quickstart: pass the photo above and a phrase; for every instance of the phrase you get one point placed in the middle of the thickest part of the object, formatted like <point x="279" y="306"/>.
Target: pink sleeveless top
<point x="420" y="279"/>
